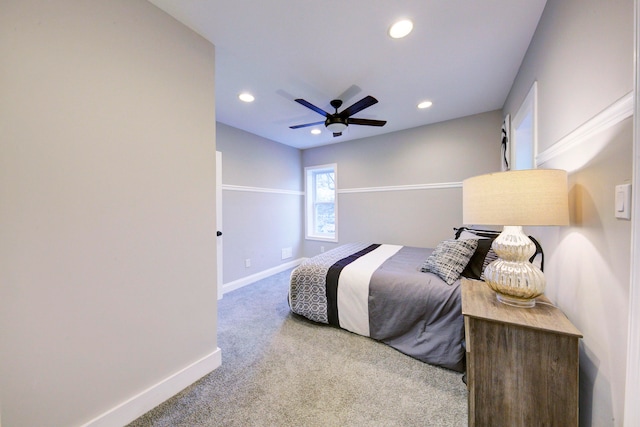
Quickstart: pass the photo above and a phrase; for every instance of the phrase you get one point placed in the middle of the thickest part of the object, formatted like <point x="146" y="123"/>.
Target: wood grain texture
<point x="478" y="300"/>
<point x="522" y="364"/>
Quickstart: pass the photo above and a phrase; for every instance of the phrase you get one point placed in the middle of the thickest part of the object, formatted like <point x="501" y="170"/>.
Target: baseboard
<point x="237" y="284"/>
<point x="156" y="394"/>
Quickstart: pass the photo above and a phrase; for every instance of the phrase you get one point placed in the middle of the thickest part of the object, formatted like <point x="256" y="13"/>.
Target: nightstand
<point x="522" y="363"/>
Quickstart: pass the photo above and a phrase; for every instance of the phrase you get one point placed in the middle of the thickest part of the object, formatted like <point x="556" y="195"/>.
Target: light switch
<point x="623" y="201"/>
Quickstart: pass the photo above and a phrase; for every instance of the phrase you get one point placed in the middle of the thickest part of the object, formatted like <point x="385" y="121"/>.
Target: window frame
<point x="310" y="202"/>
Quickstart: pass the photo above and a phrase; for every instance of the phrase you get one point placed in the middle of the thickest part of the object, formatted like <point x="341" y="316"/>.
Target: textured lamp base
<point x="515" y="280"/>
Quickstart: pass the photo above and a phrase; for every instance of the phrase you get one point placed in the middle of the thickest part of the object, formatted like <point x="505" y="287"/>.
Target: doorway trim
<point x="219" y="239"/>
<point x="632" y="385"/>
<point x="524" y="132"/>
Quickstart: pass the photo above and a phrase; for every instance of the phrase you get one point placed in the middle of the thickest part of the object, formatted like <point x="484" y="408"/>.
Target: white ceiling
<point x="463" y="55"/>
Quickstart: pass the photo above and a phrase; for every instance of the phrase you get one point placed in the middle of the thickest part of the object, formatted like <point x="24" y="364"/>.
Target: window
<point x="322" y="204"/>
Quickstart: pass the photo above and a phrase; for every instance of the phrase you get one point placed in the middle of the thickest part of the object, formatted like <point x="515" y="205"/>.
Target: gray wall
<point x="262" y="203"/>
<point x="107" y="206"/>
<point x="582" y="58"/>
<point x="442" y="153"/>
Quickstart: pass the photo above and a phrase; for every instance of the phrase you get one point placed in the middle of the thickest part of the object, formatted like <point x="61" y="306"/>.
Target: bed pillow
<point x="488" y="259"/>
<point x="449" y="258"/>
<point x="482" y="256"/>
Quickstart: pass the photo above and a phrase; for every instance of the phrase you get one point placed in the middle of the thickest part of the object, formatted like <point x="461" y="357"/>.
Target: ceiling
<point x="463" y="55"/>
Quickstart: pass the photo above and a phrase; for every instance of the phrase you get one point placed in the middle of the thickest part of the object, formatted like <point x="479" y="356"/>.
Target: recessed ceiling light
<point x="246" y="97"/>
<point x="425" y="104"/>
<point x="316" y="131"/>
<point x="400" y="29"/>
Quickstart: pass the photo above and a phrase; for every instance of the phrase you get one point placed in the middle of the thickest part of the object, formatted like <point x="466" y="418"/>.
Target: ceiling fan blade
<point x="312" y="107"/>
<point x="306" y="125"/>
<point x="366" y="122"/>
<point x="365" y="102"/>
<point x="351" y="92"/>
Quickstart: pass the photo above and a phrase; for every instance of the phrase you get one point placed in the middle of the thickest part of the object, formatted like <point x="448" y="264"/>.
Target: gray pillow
<point x="449" y="258"/>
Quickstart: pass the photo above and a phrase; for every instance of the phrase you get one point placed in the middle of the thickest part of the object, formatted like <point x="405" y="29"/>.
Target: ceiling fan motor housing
<point x="336" y="103"/>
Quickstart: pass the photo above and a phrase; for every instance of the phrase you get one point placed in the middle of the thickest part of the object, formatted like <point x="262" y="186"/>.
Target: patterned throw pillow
<point x="449" y="258"/>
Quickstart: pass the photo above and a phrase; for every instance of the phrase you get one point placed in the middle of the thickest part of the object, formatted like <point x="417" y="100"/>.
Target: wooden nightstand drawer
<point x="522" y="363"/>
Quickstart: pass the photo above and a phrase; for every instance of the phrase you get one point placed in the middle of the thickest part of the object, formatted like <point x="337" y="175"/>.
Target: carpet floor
<point x="279" y="369"/>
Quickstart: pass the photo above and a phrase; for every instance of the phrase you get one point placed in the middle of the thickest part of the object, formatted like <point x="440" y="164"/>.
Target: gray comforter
<point x="380" y="292"/>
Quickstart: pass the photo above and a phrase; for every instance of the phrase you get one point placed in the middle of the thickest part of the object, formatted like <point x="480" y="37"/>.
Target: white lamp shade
<point x="521" y="197"/>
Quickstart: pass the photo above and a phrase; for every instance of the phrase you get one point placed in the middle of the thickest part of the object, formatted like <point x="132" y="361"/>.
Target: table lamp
<point x="513" y="199"/>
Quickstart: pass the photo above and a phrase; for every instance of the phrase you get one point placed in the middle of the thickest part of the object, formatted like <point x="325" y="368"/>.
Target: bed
<point x="406" y="297"/>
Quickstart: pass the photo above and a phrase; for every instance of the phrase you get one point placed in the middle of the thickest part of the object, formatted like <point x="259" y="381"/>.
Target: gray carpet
<point x="281" y="370"/>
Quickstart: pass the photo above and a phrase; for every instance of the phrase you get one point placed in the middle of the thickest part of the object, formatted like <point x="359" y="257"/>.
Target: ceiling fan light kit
<point x="336" y="126"/>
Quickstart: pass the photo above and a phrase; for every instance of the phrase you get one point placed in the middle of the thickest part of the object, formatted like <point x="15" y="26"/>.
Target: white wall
<point x="262" y="202"/>
<point x="429" y="157"/>
<point x="582" y="58"/>
<point x="107" y="207"/>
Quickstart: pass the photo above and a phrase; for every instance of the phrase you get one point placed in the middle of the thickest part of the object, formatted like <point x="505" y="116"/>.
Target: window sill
<point x="322" y="239"/>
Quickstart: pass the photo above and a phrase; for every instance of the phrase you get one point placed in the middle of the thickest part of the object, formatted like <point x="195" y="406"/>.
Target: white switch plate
<point x="623" y="201"/>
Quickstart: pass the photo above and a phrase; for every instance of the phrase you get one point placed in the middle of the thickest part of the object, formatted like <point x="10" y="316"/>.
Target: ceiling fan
<point x="338" y="122"/>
